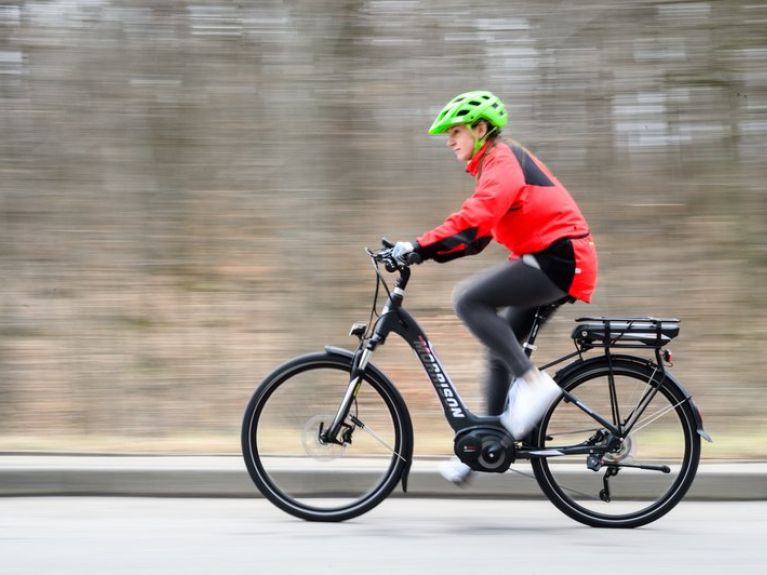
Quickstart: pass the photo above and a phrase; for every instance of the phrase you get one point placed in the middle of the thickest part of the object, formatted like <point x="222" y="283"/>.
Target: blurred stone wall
<point x="186" y="189"/>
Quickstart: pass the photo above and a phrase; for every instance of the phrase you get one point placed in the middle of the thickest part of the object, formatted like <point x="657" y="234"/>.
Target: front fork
<point x="359" y="363"/>
<point x="362" y="358"/>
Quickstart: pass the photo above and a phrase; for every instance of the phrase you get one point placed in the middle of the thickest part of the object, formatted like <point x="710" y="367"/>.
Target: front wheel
<point x="310" y="478"/>
<point x="646" y="473"/>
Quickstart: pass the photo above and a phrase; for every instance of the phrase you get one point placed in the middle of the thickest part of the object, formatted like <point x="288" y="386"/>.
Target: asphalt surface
<point x="226" y="476"/>
<point x="95" y="535"/>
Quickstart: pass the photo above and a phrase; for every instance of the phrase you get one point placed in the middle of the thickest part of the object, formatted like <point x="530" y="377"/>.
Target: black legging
<point x="520" y="288"/>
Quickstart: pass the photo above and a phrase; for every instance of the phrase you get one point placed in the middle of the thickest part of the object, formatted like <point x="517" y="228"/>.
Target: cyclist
<point x="521" y="205"/>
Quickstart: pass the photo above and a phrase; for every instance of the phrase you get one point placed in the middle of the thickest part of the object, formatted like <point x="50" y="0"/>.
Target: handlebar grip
<point x="413" y="258"/>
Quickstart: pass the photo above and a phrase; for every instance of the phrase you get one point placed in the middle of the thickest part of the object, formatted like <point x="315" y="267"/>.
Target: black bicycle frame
<point x="399" y="321"/>
<point x="394" y="318"/>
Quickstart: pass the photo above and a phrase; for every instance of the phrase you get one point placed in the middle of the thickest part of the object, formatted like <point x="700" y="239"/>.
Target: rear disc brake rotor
<point x="625" y="452"/>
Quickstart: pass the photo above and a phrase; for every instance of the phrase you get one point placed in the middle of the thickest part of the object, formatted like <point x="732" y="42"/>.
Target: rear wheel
<point x="299" y="472"/>
<point x="664" y="441"/>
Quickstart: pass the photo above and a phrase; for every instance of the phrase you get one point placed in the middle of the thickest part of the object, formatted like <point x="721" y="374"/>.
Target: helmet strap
<point x="479" y="142"/>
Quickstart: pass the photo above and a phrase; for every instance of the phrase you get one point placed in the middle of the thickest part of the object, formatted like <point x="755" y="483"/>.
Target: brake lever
<point x="384" y="256"/>
<point x="390" y="266"/>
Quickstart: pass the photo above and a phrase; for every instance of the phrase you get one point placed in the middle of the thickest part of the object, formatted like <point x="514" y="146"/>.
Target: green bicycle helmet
<point x="468" y="108"/>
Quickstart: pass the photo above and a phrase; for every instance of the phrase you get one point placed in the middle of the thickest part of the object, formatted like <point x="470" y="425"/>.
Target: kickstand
<point x="604" y="495"/>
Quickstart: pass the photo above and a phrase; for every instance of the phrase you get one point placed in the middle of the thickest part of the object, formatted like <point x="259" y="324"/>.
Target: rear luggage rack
<point x="624" y="332"/>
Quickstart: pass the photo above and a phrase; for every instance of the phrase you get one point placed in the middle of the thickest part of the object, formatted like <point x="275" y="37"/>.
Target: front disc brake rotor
<point x="310" y="439"/>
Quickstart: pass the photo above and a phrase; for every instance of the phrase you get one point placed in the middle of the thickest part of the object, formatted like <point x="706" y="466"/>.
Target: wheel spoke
<point x="375" y="436"/>
<point x="638" y="426"/>
<point x="574" y="491"/>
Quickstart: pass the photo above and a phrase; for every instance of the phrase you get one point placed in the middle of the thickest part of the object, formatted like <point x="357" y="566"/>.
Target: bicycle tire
<point x="645" y="498"/>
<point x="291" y="397"/>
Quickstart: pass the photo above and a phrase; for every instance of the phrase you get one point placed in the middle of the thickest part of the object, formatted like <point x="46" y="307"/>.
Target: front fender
<point x="339" y="351"/>
<point x="564" y="373"/>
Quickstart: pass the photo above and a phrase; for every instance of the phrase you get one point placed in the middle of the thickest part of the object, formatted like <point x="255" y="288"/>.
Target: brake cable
<point x="379" y="280"/>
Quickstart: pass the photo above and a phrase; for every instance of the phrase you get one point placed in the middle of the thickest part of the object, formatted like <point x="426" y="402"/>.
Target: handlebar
<point x="385" y="257"/>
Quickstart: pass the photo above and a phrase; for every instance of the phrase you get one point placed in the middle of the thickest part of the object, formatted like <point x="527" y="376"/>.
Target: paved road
<point x="230" y="536"/>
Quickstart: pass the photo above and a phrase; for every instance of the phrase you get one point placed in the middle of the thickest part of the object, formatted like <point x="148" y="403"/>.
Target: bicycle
<point x="327" y="436"/>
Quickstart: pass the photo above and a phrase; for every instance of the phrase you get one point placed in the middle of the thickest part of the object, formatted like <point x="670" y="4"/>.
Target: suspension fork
<point x="359" y="363"/>
<point x="362" y="357"/>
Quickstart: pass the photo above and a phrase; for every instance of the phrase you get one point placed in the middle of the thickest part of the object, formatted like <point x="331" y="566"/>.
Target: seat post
<point x="542" y="315"/>
<point x="529" y="343"/>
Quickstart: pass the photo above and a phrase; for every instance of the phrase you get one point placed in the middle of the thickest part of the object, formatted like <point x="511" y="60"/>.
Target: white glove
<point x="400" y="251"/>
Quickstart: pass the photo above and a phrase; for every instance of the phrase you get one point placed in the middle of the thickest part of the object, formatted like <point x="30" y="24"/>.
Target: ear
<point x="480" y="129"/>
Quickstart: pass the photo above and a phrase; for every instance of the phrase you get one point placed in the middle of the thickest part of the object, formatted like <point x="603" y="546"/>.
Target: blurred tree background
<point x="186" y="189"/>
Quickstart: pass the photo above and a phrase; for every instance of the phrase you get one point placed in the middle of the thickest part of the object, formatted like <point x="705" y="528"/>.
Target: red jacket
<point x="521" y="205"/>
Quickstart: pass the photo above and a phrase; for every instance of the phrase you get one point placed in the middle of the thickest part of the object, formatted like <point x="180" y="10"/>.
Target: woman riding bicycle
<point x="521" y="205"/>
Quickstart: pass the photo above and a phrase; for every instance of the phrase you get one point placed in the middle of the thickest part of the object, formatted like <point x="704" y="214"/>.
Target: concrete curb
<point x="226" y="476"/>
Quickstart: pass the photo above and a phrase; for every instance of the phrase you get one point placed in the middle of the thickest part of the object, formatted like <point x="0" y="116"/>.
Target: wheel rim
<point x="661" y="437"/>
<point x="304" y="474"/>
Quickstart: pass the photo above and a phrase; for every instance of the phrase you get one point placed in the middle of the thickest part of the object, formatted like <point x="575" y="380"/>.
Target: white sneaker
<point x="505" y="417"/>
<point x="455" y="471"/>
<point x="513" y="389"/>
<point x="528" y="403"/>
